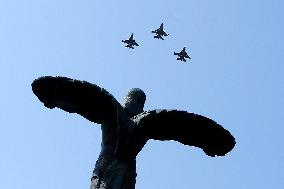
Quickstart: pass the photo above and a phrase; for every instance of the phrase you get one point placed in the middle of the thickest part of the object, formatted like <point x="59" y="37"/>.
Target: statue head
<point x="134" y="101"/>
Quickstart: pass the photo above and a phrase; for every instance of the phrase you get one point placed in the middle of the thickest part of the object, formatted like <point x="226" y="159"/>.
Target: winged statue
<point x="127" y="127"/>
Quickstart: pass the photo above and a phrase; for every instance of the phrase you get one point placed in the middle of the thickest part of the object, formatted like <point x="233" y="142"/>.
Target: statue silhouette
<point x="126" y="128"/>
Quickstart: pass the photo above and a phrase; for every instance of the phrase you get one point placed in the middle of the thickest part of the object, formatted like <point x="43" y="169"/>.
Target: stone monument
<point x="126" y="128"/>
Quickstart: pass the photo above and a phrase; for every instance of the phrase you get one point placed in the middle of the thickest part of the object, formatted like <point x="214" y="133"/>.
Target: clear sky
<point x="235" y="77"/>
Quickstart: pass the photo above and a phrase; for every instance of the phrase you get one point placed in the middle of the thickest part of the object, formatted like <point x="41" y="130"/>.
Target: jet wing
<point x="154" y="31"/>
<point x="164" y="33"/>
<point x="125" y="41"/>
<point x="186" y="56"/>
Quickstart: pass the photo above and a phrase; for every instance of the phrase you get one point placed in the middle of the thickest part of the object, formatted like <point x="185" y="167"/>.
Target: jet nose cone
<point x="44" y="89"/>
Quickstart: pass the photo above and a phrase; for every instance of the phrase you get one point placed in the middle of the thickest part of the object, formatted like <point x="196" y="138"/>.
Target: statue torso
<point x="116" y="165"/>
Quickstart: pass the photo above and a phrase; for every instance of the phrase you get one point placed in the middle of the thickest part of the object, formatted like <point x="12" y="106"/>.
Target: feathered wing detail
<point x="187" y="128"/>
<point x="74" y="96"/>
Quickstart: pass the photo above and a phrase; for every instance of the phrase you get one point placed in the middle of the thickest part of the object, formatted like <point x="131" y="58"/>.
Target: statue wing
<point x="74" y="96"/>
<point x="187" y="128"/>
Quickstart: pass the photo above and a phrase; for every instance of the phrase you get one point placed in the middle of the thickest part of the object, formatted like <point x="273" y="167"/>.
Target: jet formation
<point x="159" y="34"/>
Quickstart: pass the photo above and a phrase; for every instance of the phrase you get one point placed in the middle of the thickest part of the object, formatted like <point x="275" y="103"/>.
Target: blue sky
<point x="235" y="77"/>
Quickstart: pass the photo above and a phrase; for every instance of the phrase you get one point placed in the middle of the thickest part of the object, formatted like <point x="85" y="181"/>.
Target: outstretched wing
<point x="74" y="96"/>
<point x="186" y="55"/>
<point x="154" y="31"/>
<point x="164" y="33"/>
<point x="125" y="41"/>
<point x="135" y="43"/>
<point x="187" y="128"/>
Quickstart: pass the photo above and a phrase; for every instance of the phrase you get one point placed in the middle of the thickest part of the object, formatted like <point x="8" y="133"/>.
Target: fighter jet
<point x="130" y="42"/>
<point x="159" y="33"/>
<point x="182" y="55"/>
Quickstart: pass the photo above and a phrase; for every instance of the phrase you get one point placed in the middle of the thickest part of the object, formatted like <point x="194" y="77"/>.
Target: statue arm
<point x="74" y="96"/>
<point x="187" y="128"/>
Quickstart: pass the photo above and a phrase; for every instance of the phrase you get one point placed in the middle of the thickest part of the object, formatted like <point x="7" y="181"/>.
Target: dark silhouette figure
<point x="130" y="42"/>
<point x="182" y="55"/>
<point x="159" y="33"/>
<point x="126" y="128"/>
